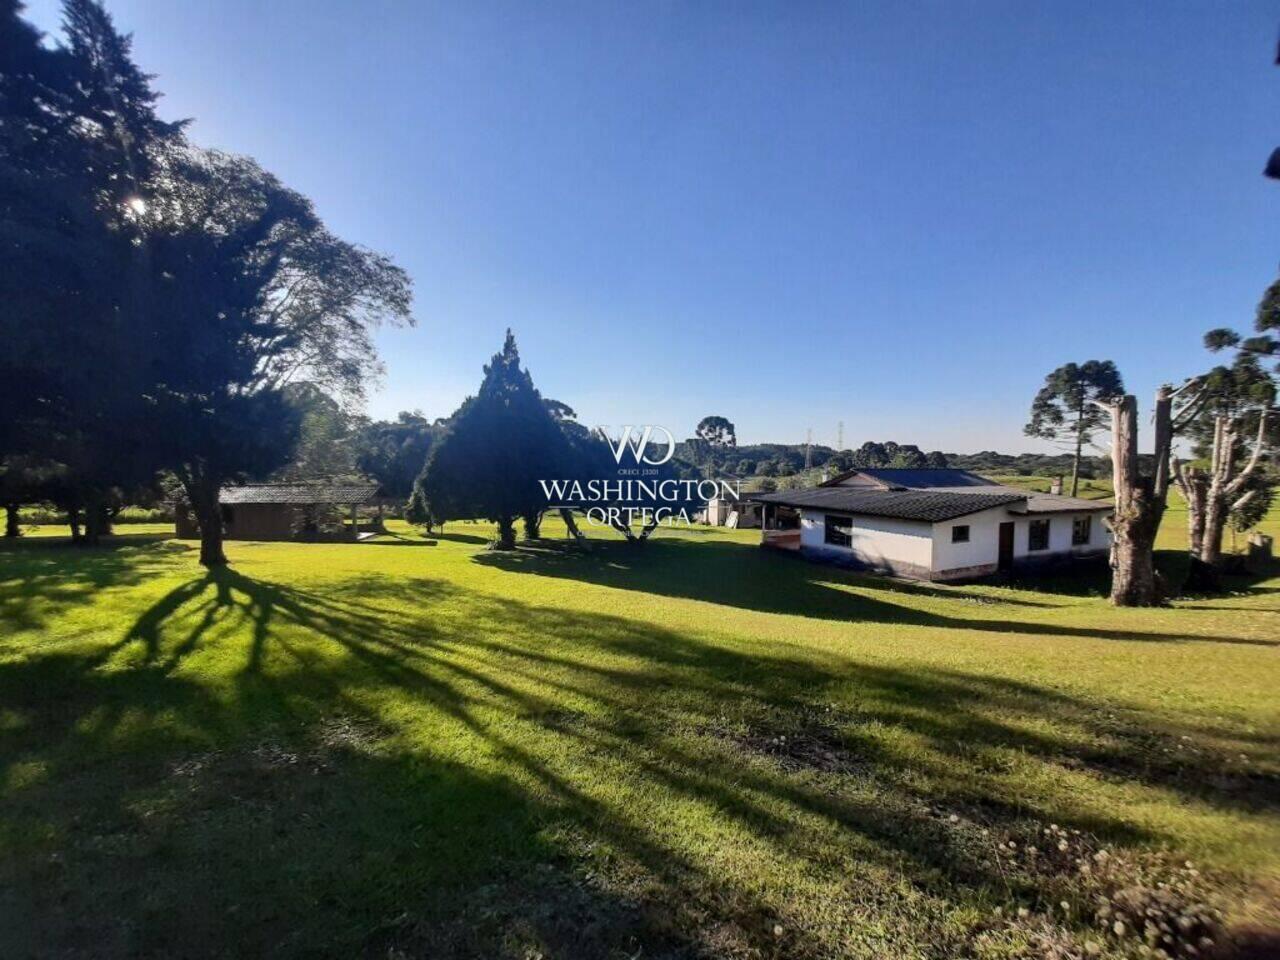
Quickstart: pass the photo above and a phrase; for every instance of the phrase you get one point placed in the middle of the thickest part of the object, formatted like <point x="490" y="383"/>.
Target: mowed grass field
<point x="418" y="747"/>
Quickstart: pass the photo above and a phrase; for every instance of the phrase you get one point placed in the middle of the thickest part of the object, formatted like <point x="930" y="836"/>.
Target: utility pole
<point x="840" y="436"/>
<point x="808" y="449"/>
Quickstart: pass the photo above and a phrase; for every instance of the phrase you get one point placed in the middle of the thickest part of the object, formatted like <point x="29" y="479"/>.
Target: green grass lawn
<point x="422" y="748"/>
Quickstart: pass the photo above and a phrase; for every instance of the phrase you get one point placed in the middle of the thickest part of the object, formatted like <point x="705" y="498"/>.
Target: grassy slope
<point x="422" y="746"/>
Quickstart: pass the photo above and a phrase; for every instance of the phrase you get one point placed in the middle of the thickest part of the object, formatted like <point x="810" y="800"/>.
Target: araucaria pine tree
<point x="1066" y="409"/>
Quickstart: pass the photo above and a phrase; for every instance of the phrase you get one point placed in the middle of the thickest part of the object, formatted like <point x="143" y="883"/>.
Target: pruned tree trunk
<point x="1140" y="500"/>
<point x="1194" y="485"/>
<point x="506" y="533"/>
<point x="1133" y="575"/>
<point x="73" y="521"/>
<point x="1215" y="525"/>
<point x="1211" y="497"/>
<point x="11" y="528"/>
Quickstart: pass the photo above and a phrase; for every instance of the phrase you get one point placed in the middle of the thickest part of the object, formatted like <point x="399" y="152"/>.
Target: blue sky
<point x="896" y="215"/>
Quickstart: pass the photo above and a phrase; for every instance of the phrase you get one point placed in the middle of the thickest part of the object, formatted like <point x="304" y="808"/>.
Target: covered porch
<point x="779" y="526"/>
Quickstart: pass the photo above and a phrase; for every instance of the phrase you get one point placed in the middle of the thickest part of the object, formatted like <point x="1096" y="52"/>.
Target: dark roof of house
<point x="930" y="506"/>
<point x="300" y="493"/>
<point x="922" y="478"/>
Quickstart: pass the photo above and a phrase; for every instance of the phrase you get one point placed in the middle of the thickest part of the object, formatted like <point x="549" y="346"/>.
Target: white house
<point x="934" y="524"/>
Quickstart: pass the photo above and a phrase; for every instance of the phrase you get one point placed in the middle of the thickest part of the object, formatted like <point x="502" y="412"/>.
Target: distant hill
<point x="1029" y="464"/>
<point x="784" y="463"/>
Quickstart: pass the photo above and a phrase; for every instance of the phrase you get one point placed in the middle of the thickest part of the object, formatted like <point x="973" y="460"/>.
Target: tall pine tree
<point x="499" y="445"/>
<point x="1067" y="411"/>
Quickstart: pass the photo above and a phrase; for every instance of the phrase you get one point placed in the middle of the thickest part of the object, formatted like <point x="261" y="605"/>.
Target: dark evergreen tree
<point x="499" y="445"/>
<point x="78" y="136"/>
<point x="418" y="511"/>
<point x="394" y="452"/>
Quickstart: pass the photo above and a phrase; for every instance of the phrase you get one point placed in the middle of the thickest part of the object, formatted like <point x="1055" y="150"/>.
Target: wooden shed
<point x="287" y="511"/>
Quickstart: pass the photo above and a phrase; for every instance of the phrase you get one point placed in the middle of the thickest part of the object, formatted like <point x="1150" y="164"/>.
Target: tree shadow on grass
<point x="404" y="766"/>
<point x="41" y="578"/>
<point x="767" y="581"/>
<point x="333" y="841"/>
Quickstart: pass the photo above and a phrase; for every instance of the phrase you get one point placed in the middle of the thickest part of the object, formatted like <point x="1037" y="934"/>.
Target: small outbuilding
<point x="933" y="524"/>
<point x="732" y="511"/>
<point x="288" y="511"/>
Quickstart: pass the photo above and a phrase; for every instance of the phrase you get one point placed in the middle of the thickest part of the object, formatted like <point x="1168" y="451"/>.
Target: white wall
<point x="983" y="548"/>
<point x="888" y="543"/>
<point x="1059" y="536"/>
<point x="878" y="541"/>
<point x="984" y="538"/>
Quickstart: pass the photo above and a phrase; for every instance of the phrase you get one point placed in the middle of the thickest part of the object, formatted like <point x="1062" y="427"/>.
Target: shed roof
<point x="930" y="506"/>
<point x="299" y="493"/>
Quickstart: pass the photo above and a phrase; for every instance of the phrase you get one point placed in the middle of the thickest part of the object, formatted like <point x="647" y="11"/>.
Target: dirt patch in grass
<point x="808" y="739"/>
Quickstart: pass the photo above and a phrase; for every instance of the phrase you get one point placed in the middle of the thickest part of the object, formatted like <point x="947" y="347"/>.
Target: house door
<point x="1006" y="547"/>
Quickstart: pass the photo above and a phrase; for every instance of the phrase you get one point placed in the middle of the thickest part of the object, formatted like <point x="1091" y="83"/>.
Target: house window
<point x="838" y="531"/>
<point x="960" y="534"/>
<point x="1081" y="530"/>
<point x="1038" y="535"/>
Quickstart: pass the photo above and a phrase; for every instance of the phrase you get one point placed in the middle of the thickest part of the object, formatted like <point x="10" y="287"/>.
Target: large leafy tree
<point x="499" y="445"/>
<point x="250" y="294"/>
<point x="394" y="452"/>
<point x="1066" y="409"/>
<point x="328" y="436"/>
